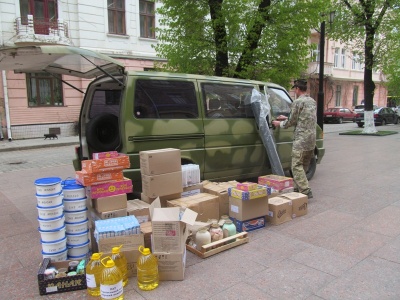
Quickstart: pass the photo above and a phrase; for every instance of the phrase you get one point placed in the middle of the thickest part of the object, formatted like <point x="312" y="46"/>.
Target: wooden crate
<point x="219" y="246"/>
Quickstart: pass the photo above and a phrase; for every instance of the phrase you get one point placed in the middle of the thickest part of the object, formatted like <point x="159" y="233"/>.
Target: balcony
<point x="313" y="69"/>
<point x="34" y="31"/>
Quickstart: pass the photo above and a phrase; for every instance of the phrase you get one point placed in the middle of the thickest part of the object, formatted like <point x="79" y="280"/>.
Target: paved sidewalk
<point x="6" y="145"/>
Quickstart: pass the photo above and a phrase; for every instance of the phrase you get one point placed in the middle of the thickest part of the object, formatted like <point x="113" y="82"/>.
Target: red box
<point x="106" y="164"/>
<point x="92" y="178"/>
<point x="106" y="189"/>
<point x="109" y="154"/>
<point x="276" y="182"/>
<point x="247" y="186"/>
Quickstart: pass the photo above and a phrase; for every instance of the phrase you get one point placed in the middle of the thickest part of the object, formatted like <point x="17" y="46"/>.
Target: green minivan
<point x="210" y="119"/>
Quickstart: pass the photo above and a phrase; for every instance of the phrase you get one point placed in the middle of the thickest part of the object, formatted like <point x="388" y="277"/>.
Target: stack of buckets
<point x="62" y="216"/>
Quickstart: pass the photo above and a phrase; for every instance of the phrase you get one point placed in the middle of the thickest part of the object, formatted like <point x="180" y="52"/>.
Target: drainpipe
<point x="6" y="105"/>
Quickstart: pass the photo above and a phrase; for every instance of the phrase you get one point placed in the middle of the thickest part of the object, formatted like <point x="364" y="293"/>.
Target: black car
<point x="382" y="116"/>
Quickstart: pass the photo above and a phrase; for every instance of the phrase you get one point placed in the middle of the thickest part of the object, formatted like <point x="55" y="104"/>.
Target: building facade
<point x="32" y="104"/>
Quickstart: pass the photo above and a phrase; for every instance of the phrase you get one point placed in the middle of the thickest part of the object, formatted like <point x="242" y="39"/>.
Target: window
<point x="343" y="59"/>
<point x="315" y="54"/>
<point x="336" y="58"/>
<point x="356" y="63"/>
<point x="147" y="19"/>
<point x="105" y="101"/>
<point x="44" y="14"/>
<point x="116" y="16"/>
<point x="355" y="95"/>
<point x="165" y="99"/>
<point x="44" y="90"/>
<point x="338" y="95"/>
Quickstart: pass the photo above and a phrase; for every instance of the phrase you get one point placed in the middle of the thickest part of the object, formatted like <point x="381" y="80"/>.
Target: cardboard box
<point x="171" y="266"/>
<point x="221" y="190"/>
<point x="247" y="210"/>
<point x="101" y="155"/>
<point x="249" y="225"/>
<point x="155" y="162"/>
<point x="259" y="192"/>
<point x="87" y="179"/>
<point x="192" y="190"/>
<point x="110" y="203"/>
<point x="105" y="189"/>
<point x="108" y="214"/>
<point x="106" y="164"/>
<point x="169" y="227"/>
<point x="299" y="203"/>
<point x="204" y="204"/>
<point x="146" y="230"/>
<point x="163" y="199"/>
<point x="59" y="285"/>
<point x="139" y="209"/>
<point x="247" y="186"/>
<point x="280" y="210"/>
<point x="163" y="184"/>
<point x="276" y="182"/>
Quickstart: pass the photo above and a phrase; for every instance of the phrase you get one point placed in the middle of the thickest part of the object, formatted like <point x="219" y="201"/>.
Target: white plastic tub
<point x="75" y="216"/>
<point x="54" y="247"/>
<point x="72" y="190"/>
<point x="48" y="186"/>
<point x="74" y="205"/>
<point x="49" y="200"/>
<point x="58" y="256"/>
<point x="77" y="227"/>
<point x="51" y="224"/>
<point x="52" y="235"/>
<point x="77" y="257"/>
<point x="50" y="212"/>
<point x="77" y="238"/>
<point x="78" y="250"/>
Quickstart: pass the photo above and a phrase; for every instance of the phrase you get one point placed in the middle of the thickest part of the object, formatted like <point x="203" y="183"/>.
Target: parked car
<point x="382" y="116"/>
<point x="338" y="115"/>
<point x="360" y="108"/>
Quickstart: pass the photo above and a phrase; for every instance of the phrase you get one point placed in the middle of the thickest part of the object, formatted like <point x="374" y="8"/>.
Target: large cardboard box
<point x="169" y="227"/>
<point x="192" y="190"/>
<point x="109" y="203"/>
<point x="206" y="205"/>
<point x="280" y="210"/>
<point x="105" y="189"/>
<point x="221" y="190"/>
<point x="155" y="162"/>
<point x="276" y="182"/>
<point x="108" y="214"/>
<point x="106" y="164"/>
<point x="163" y="199"/>
<point x="163" y="184"/>
<point x="246" y="210"/>
<point x="171" y="266"/>
<point x="146" y="230"/>
<point x="299" y="203"/>
<point x="259" y="192"/>
<point x="139" y="209"/>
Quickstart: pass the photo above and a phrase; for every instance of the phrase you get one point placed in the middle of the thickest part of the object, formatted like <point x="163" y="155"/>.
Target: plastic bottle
<point x="147" y="270"/>
<point x="93" y="274"/>
<point x="120" y="261"/>
<point x="111" y="281"/>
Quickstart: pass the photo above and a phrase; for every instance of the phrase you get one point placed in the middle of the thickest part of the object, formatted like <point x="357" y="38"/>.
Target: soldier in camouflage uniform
<point x="303" y="116"/>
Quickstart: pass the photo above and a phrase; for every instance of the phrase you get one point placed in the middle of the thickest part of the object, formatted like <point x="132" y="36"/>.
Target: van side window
<point x="280" y="102"/>
<point x="226" y="100"/>
<point x="105" y="101"/>
<point x="165" y="99"/>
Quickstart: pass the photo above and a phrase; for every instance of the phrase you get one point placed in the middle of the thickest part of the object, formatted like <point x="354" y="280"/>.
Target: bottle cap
<point x="116" y="250"/>
<point x="96" y="256"/>
<point x="144" y="251"/>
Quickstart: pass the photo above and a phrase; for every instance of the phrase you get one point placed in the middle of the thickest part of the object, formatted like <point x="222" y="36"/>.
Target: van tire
<point x="312" y="168"/>
<point x="102" y="133"/>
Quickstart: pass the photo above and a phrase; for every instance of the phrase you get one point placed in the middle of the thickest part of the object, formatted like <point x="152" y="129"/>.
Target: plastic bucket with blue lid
<point x="51" y="224"/>
<point x="77" y="238"/>
<point x="77" y="227"/>
<point x="72" y="205"/>
<point x="78" y="250"/>
<point x="54" y="246"/>
<point x="52" y="235"/>
<point x="50" y="212"/>
<point x="79" y="257"/>
<point x="73" y="190"/>
<point x="75" y="216"/>
<point x="57" y="256"/>
<point x="49" y="200"/>
<point x="48" y="186"/>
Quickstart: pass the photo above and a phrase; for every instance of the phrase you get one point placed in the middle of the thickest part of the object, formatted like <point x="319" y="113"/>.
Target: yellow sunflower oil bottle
<point x="93" y="274"/>
<point x="147" y="270"/>
<point x="120" y="261"/>
<point x="111" y="281"/>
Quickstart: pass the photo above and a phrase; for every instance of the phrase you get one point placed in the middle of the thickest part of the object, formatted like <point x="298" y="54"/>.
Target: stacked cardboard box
<point x="220" y="189"/>
<point x="277" y="184"/>
<point x="248" y="206"/>
<point x="286" y="207"/>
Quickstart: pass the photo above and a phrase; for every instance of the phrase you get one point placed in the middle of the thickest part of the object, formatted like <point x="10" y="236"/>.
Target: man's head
<point x="301" y="84"/>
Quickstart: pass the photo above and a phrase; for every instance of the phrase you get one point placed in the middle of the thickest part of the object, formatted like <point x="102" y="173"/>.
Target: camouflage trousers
<point x="300" y="163"/>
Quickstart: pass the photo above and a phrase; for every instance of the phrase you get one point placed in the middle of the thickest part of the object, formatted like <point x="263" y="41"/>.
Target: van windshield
<point x="280" y="102"/>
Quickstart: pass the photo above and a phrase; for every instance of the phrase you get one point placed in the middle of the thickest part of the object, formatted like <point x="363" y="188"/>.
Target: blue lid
<point x="48" y="195"/>
<point x="51" y="219"/>
<point x="79" y="233"/>
<point x="52" y="230"/>
<point x="73" y="186"/>
<point x="54" y="242"/>
<point x="78" y="245"/>
<point x="49" y="207"/>
<point x="77" y="199"/>
<point x="76" y="223"/>
<point x="75" y="211"/>
<point x="55" y="253"/>
<point x="47" y="181"/>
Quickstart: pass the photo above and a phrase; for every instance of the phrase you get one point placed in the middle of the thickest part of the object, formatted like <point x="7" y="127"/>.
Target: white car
<point x="360" y="108"/>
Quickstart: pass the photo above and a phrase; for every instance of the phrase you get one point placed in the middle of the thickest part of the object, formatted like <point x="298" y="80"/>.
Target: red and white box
<point x="101" y="155"/>
<point x="247" y="186"/>
<point x="87" y="179"/>
<point x="276" y="182"/>
<point x="107" y="189"/>
<point x="106" y="164"/>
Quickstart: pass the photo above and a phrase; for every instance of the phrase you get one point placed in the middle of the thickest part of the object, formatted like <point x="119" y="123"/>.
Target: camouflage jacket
<point x="303" y="116"/>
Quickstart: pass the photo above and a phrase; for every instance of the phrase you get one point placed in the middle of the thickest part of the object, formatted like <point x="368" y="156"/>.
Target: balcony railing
<point x="31" y="30"/>
<point x="313" y="68"/>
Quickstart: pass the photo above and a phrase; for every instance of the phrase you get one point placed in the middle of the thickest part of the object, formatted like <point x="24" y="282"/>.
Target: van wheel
<point x="311" y="168"/>
<point x="102" y="133"/>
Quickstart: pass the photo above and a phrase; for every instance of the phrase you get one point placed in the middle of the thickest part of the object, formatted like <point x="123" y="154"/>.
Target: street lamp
<point x="320" y="107"/>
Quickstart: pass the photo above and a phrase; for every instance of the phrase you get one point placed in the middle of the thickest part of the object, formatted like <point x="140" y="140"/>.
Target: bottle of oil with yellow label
<point x="147" y="270"/>
<point x="93" y="274"/>
<point x="120" y="261"/>
<point x="111" y="281"/>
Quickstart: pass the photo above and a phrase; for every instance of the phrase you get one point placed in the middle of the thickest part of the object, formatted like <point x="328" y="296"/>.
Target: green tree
<point x="362" y="25"/>
<point x="253" y="39"/>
